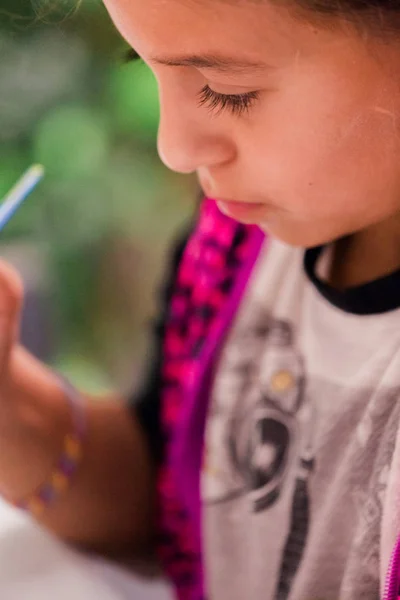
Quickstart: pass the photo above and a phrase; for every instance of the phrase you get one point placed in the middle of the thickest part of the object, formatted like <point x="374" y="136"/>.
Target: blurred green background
<point x="92" y="240"/>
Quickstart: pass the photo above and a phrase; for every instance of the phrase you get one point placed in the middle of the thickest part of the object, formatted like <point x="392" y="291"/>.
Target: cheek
<point x="319" y="164"/>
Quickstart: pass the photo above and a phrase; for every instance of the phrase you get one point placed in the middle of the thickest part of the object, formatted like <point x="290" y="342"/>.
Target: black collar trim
<point x="376" y="297"/>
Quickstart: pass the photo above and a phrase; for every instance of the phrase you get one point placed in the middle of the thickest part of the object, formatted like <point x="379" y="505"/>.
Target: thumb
<point x="11" y="296"/>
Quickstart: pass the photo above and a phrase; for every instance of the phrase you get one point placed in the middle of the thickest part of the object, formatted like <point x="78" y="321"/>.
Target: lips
<point x="242" y="211"/>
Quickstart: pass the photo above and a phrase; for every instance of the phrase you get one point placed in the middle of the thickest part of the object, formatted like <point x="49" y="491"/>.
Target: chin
<point x="299" y="237"/>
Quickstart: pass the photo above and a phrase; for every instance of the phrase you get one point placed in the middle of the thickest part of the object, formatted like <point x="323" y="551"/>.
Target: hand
<point x="110" y="505"/>
<point x="34" y="416"/>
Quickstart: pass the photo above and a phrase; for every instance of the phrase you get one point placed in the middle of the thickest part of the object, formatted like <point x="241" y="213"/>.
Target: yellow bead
<point x="59" y="481"/>
<point x="36" y="507"/>
<point x="73" y="447"/>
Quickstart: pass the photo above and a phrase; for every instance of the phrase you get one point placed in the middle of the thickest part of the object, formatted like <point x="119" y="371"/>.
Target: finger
<point x="11" y="296"/>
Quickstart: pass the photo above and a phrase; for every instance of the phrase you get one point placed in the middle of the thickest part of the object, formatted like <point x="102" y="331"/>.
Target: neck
<point x="366" y="255"/>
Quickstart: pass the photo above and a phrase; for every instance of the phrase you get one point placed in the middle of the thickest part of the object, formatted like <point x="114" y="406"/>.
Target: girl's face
<point x="298" y="122"/>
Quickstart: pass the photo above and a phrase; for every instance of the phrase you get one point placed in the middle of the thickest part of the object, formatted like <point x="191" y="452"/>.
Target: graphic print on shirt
<point x="268" y="429"/>
<point x="263" y="460"/>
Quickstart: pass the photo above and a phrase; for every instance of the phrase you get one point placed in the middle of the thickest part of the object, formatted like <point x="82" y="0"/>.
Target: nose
<point x="188" y="138"/>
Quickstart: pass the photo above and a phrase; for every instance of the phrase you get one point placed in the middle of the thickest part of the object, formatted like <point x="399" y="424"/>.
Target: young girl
<point x="272" y="412"/>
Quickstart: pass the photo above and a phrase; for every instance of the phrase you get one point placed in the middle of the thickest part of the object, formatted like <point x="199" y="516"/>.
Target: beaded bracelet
<point x="60" y="477"/>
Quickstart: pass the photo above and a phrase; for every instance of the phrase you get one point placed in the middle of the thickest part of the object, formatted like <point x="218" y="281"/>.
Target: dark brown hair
<point x="378" y="15"/>
<point x="54" y="11"/>
<point x="350" y="6"/>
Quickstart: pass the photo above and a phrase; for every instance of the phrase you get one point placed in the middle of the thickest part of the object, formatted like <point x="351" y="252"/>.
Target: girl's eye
<point x="238" y="104"/>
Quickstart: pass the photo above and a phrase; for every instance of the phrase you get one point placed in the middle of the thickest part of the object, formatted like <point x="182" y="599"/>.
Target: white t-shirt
<point x="300" y="435"/>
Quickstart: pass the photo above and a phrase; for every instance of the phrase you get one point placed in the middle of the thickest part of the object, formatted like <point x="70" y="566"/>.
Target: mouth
<point x="241" y="211"/>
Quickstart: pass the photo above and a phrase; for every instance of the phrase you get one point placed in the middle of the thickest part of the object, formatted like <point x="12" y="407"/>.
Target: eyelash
<point x="237" y="104"/>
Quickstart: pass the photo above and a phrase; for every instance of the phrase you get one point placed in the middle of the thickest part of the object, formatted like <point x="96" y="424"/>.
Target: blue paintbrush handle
<point x="19" y="193"/>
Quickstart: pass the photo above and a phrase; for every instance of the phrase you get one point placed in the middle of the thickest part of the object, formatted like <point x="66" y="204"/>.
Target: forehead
<point x="173" y="27"/>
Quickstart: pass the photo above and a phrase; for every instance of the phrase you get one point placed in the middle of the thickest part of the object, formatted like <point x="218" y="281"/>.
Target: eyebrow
<point x="208" y="61"/>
